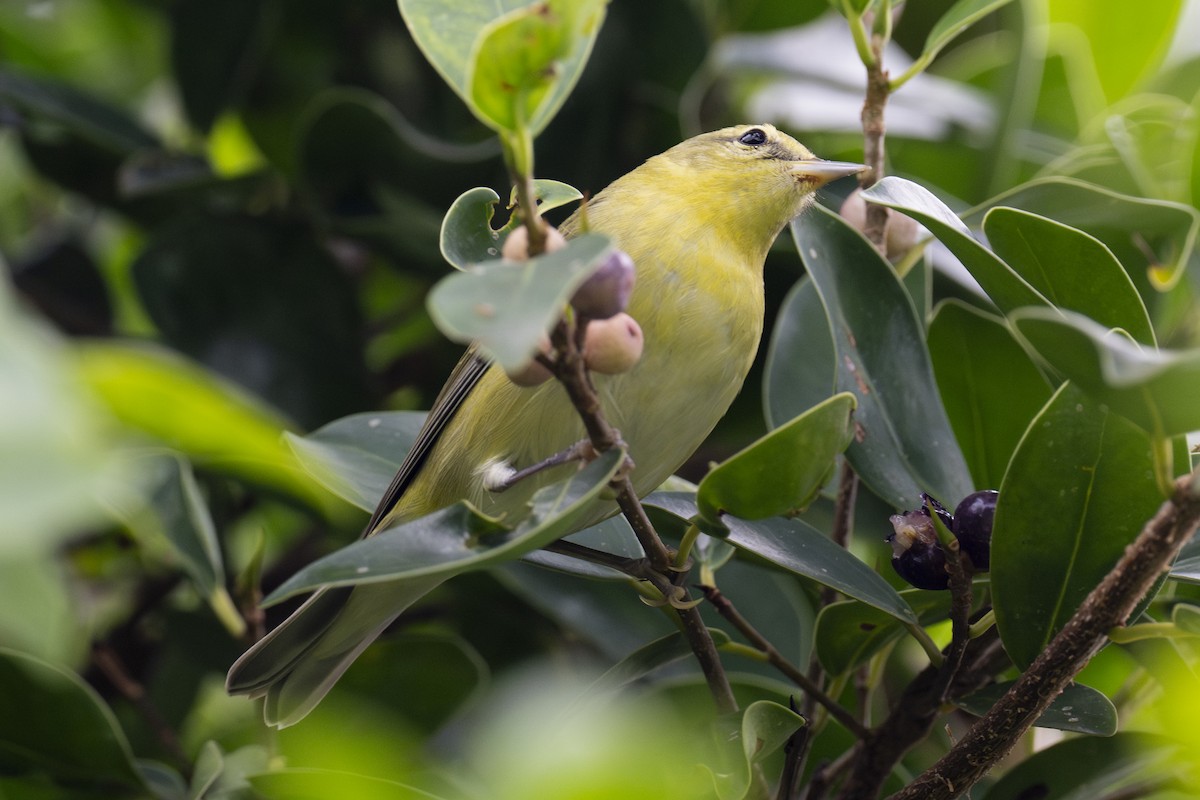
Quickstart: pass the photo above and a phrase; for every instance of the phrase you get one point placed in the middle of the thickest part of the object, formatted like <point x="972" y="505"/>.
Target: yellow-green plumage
<point x="697" y="221"/>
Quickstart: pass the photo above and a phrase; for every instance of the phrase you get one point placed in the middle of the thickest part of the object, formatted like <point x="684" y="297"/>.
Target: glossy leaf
<point x="507" y="307"/>
<point x="801" y="366"/>
<point x="1079" y="709"/>
<point x="1154" y="389"/>
<point x="903" y="443"/>
<point x="800" y="548"/>
<point x="80" y="742"/>
<point x="456" y="538"/>
<point x="1130" y="226"/>
<point x="525" y="63"/>
<point x="1069" y="268"/>
<point x="783" y="470"/>
<point x="1003" y="285"/>
<point x="988" y="384"/>
<point x="355" y="457"/>
<point x="467" y="235"/>
<point x="1082" y="768"/>
<point x="1078" y="490"/>
<point x="849" y="632"/>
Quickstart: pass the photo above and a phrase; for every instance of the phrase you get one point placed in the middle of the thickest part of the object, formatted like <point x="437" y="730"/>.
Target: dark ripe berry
<point x="973" y="526"/>
<point x="916" y="554"/>
<point x="606" y="292"/>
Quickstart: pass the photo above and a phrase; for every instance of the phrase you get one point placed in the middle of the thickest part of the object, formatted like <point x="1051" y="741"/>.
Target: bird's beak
<point x="819" y="173"/>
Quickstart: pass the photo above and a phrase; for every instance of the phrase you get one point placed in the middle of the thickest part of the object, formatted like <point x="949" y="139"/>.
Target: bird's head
<point x="754" y="177"/>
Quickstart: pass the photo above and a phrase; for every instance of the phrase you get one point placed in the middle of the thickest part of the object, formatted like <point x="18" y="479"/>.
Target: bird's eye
<point x="753" y="137"/>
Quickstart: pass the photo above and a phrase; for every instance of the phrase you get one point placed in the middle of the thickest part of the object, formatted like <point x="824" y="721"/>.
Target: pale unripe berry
<point x="533" y="373"/>
<point x="613" y="345"/>
<point x="516" y="246"/>
<point x="903" y="232"/>
<point x="606" y="291"/>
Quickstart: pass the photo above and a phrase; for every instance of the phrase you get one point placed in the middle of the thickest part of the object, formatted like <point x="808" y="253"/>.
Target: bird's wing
<point x="467" y="373"/>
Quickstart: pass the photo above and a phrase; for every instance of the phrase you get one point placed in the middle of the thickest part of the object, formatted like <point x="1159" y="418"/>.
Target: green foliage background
<point x="219" y="220"/>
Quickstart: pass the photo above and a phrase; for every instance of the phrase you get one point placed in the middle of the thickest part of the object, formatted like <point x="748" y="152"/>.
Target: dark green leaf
<point x="1154" y="389"/>
<point x="850" y="632"/>
<point x="783" y="470"/>
<point x="903" y="443"/>
<point x="457" y="538"/>
<point x="989" y="386"/>
<point x="355" y="457"/>
<point x="507" y="307"/>
<point x="1079" y="489"/>
<point x="798" y="547"/>
<point x="1079" y="709"/>
<point x="957" y="19"/>
<point x="80" y="743"/>
<point x="1130" y="226"/>
<point x="801" y="367"/>
<point x="1003" y="285"/>
<point x="1082" y="768"/>
<point x="1068" y="267"/>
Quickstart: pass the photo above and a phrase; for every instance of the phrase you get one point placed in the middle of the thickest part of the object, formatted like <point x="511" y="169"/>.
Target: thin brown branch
<point x="1107" y="606"/>
<point x="878" y="91"/>
<point x="843" y="517"/>
<point x="726" y="609"/>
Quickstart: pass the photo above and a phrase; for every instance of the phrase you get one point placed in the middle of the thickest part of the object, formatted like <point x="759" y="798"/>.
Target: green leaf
<point x="1083" y="768"/>
<point x="457" y="538"/>
<point x="219" y="775"/>
<point x="765" y="728"/>
<point x="217" y="425"/>
<point x="319" y="784"/>
<point x="1078" y="490"/>
<point x="355" y="457"/>
<point x="1154" y="389"/>
<point x="783" y="470"/>
<point x="509" y="60"/>
<point x="800" y="548"/>
<point x="648" y="658"/>
<point x="903" y="443"/>
<point x="957" y="19"/>
<point x="849" y="632"/>
<point x="525" y="63"/>
<point x="801" y="366"/>
<point x="1003" y="285"/>
<point x="1079" y="709"/>
<point x="79" y="743"/>
<point x="1130" y="226"/>
<point x="1069" y="268"/>
<point x="1186" y="618"/>
<point x="467" y="235"/>
<point x="988" y="384"/>
<point x="507" y="307"/>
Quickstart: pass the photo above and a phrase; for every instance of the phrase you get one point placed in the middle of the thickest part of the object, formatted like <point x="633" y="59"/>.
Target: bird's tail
<point x="296" y="664"/>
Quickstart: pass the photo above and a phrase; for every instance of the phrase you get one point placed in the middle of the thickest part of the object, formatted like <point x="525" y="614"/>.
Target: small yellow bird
<point x="697" y="221"/>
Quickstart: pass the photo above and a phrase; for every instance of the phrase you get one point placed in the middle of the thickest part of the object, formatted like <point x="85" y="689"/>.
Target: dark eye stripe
<point x="753" y="137"/>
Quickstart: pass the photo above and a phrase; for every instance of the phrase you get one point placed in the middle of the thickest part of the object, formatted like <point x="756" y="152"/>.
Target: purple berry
<point x="606" y="292"/>
<point x="973" y="526"/>
<point x="916" y="553"/>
